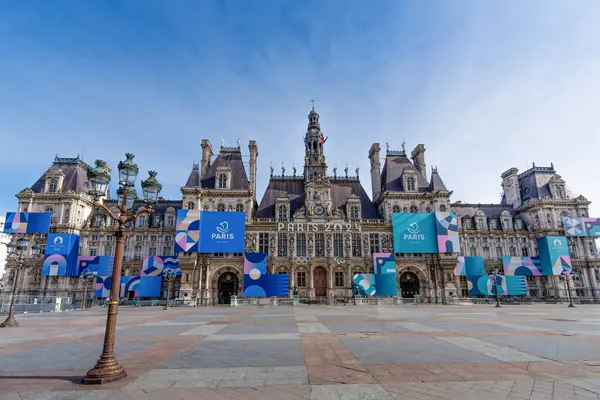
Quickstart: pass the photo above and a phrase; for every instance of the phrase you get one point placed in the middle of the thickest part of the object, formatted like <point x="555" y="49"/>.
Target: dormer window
<point x="222" y="181"/>
<point x="411" y="184"/>
<point x="493" y="224"/>
<point x="170" y="221"/>
<point x="52" y="185"/>
<point x="98" y="221"/>
<point x="283" y="213"/>
<point x="191" y="205"/>
<point x="467" y="223"/>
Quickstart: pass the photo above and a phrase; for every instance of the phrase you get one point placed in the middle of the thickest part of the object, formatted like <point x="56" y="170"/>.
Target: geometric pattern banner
<point x="98" y="265"/>
<point x="521" y="266"/>
<point x="554" y="255"/>
<point x="383" y="282"/>
<point x="469" y="266"/>
<point x="446" y="227"/>
<point x="257" y="283"/>
<point x="416" y="232"/>
<point x="26" y="222"/>
<point x="61" y="255"/>
<point x="581" y="226"/>
<point x="142" y="286"/>
<point x="481" y="284"/>
<point x="155" y="265"/>
<point x="187" y="231"/>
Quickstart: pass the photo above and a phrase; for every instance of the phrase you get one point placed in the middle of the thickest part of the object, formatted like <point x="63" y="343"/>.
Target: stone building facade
<point x="319" y="226"/>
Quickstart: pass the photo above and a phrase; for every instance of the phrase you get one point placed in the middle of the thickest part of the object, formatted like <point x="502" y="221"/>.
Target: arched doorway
<point x="409" y="285"/>
<point x="320" y="281"/>
<point x="227" y="286"/>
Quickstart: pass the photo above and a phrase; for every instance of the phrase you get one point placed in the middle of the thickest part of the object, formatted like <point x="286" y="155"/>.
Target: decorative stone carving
<point x="386" y="244"/>
<point x="250" y="242"/>
<point x="300" y="212"/>
<point x="366" y="243"/>
<point x="291" y="243"/>
<point x="311" y="245"/>
<point x="272" y="244"/>
<point x="329" y="244"/>
<point x="347" y="245"/>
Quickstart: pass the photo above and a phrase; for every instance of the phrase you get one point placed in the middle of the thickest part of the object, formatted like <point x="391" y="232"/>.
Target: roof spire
<point x="313" y="103"/>
<point x="404" y="146"/>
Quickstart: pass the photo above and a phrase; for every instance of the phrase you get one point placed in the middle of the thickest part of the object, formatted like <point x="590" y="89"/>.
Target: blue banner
<point x="222" y="232"/>
<point x="554" y="255"/>
<point x="414" y="233"/>
<point x="26" y="222"/>
<point x="61" y="255"/>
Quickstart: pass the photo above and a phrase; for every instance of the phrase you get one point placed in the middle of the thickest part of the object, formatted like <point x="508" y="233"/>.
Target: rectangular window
<point x="168" y="238"/>
<point x="153" y="238"/>
<point x="94" y="238"/>
<point x="486" y="253"/>
<point x="499" y="252"/>
<point x="93" y="252"/>
<point x="301" y="244"/>
<point x="512" y="251"/>
<point x="374" y="242"/>
<point x="282" y="243"/>
<point x="524" y="252"/>
<point x="301" y="278"/>
<point x="263" y="243"/>
<point x="137" y="252"/>
<point x="320" y="245"/>
<point x="338" y="245"/>
<point x="473" y="252"/>
<point x="139" y="238"/>
<point x="167" y="251"/>
<point x="187" y="277"/>
<point x="152" y="251"/>
<point x="356" y="245"/>
<point x="107" y="251"/>
<point x="339" y="278"/>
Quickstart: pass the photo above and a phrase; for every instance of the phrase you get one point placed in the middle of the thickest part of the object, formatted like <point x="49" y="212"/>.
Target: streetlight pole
<point x="495" y="275"/>
<point x="17" y="249"/>
<point x="88" y="277"/>
<point x="107" y="368"/>
<point x="169" y="276"/>
<point x="566" y="275"/>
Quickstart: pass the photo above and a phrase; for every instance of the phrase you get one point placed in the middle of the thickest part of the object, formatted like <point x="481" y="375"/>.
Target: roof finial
<point x="239" y="143"/>
<point x="271" y="168"/>
<point x="334" y="172"/>
<point x="346" y="170"/>
<point x="313" y="102"/>
<point x="387" y="146"/>
<point x="282" y="169"/>
<point x="222" y="142"/>
<point x="404" y="146"/>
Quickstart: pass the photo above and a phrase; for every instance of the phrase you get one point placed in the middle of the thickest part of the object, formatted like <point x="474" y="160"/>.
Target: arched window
<point x="411" y="184"/>
<point x="413" y="209"/>
<point x="442" y="208"/>
<point x="221" y="207"/>
<point x="142" y="220"/>
<point x="354" y="212"/>
<point x="428" y="209"/>
<point x="206" y="207"/>
<point x="66" y="215"/>
<point x="283" y="212"/>
<point x="396" y="209"/>
<point x="222" y="181"/>
<point x="49" y="209"/>
<point x="405" y="209"/>
<point x="230" y="207"/>
<point x="191" y="205"/>
<point x="52" y="185"/>
<point x="239" y="208"/>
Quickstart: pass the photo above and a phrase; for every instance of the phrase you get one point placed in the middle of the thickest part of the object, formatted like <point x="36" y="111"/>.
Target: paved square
<point x="311" y="352"/>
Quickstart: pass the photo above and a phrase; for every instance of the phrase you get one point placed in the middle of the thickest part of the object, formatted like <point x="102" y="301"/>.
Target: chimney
<point x="253" y="147"/>
<point x="418" y="157"/>
<point x="207" y="153"/>
<point x="375" y="171"/>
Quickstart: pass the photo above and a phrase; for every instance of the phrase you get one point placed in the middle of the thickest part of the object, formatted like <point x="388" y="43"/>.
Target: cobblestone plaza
<point x="318" y="352"/>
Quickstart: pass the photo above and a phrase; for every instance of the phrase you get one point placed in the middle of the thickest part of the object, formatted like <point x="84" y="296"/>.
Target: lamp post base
<point x="9" y="322"/>
<point x="571" y="305"/>
<point x="106" y="370"/>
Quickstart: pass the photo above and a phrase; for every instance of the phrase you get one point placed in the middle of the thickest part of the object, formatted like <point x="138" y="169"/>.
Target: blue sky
<point x="484" y="85"/>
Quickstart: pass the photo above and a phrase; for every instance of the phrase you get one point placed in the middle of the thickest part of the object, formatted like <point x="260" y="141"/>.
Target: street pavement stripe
<point x="220" y="377"/>
<point x="255" y="336"/>
<point x="204" y="330"/>
<point x="311" y="327"/>
<point x="416" y="327"/>
<point x="500" y="353"/>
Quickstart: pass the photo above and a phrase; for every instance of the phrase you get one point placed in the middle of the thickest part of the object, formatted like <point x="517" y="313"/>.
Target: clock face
<point x="319" y="210"/>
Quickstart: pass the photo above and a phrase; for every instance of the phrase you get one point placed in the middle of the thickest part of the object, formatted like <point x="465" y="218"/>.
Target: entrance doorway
<point x="409" y="285"/>
<point x="320" y="281"/>
<point x="227" y="286"/>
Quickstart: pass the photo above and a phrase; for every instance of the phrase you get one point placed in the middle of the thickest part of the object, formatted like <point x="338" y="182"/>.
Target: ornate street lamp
<point x="567" y="276"/>
<point x="108" y="369"/>
<point x="17" y="253"/>
<point x="169" y="276"/>
<point x="494" y="276"/>
<point x="87" y="277"/>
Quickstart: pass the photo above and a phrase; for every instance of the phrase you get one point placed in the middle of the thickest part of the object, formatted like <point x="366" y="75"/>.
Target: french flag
<point x="324" y="139"/>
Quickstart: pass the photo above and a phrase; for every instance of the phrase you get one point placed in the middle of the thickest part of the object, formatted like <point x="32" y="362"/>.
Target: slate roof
<point x="534" y="182"/>
<point x="293" y="188"/>
<point x="227" y="156"/>
<point x="75" y="178"/>
<point x="393" y="168"/>
<point x="490" y="210"/>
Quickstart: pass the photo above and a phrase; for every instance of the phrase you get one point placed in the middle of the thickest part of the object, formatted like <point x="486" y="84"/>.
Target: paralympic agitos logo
<point x="413" y="232"/>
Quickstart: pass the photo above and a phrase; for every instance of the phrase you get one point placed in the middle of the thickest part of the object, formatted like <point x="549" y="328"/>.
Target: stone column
<point x="593" y="284"/>
<point x="311" y="282"/>
<point x="458" y="286"/>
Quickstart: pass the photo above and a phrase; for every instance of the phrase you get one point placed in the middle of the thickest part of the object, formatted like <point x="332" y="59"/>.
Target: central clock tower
<point x="317" y="185"/>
